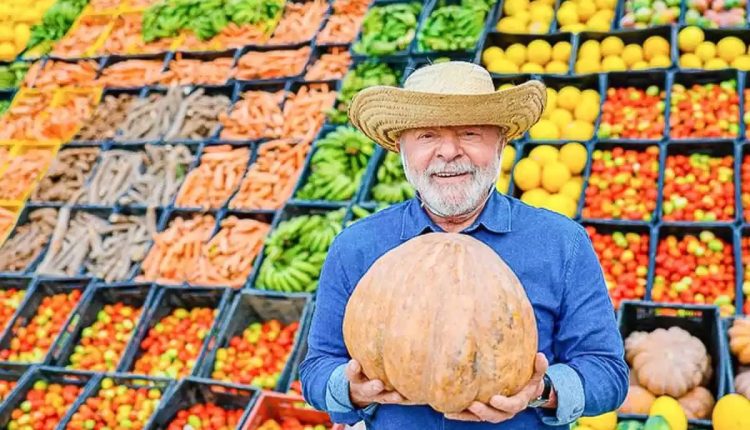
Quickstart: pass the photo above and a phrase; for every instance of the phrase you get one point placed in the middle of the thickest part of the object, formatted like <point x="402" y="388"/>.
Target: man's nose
<point x="449" y="148"/>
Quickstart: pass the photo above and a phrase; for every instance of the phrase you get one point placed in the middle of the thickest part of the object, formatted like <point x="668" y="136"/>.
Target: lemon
<point x="574" y="28"/>
<point x="587" y="110"/>
<point x="7" y="51"/>
<point x="556" y="67"/>
<point x="612" y="45"/>
<point x="544" y="129"/>
<point x="511" y="7"/>
<point x="584" y="66"/>
<point x="567" y="14"/>
<point x="535" y="197"/>
<point x="509" y="157"/>
<point x="561" y="118"/>
<point x="591" y="96"/>
<point x="554" y="175"/>
<point x="689" y="38"/>
<point x="527" y="174"/>
<point x="568" y="97"/>
<point x="690" y="61"/>
<point x="516" y="53"/>
<point x="539" y="52"/>
<point x="705" y="50"/>
<point x="671" y="411"/>
<point x="577" y="130"/>
<point x="22" y="36"/>
<point x="551" y="102"/>
<point x="730" y="48"/>
<point x="541" y="12"/>
<point x="640" y="65"/>
<point x="492" y="53"/>
<point x="532" y="68"/>
<point x="502" y="65"/>
<point x="654" y="46"/>
<point x="660" y="61"/>
<point x="503" y="183"/>
<point x="632" y="54"/>
<point x="510" y="25"/>
<point x="586" y="9"/>
<point x="731" y="412"/>
<point x="590" y="49"/>
<point x="574" y="156"/>
<point x="572" y="189"/>
<point x="715" y="64"/>
<point x="561" y="51"/>
<point x="538" y="28"/>
<point x="606" y="421"/>
<point x="523" y="17"/>
<point x="606" y="4"/>
<point x="742" y="62"/>
<point x="561" y="204"/>
<point x="544" y="154"/>
<point x="6" y="33"/>
<point x="599" y="24"/>
<point x="613" y="63"/>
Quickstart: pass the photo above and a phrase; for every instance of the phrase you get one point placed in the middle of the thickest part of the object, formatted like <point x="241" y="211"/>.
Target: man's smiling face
<point x="452" y="168"/>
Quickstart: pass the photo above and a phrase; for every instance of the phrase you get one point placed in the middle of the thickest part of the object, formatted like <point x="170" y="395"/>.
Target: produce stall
<point x="182" y="166"/>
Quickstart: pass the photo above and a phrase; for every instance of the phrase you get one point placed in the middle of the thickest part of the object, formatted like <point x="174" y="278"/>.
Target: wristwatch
<point x="544" y="397"/>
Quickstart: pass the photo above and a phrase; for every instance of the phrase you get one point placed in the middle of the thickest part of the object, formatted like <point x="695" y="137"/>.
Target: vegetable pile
<point x="28" y="240"/>
<point x="454" y="27"/>
<point x="698" y="187"/>
<point x="207" y="416"/>
<point x="633" y="113"/>
<point x="363" y="75"/>
<point x="388" y="29"/>
<point x="115" y="404"/>
<point x="391" y="186"/>
<point x="45" y="405"/>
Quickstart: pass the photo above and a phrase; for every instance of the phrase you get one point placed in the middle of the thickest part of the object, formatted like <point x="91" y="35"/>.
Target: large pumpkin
<point x="444" y="321"/>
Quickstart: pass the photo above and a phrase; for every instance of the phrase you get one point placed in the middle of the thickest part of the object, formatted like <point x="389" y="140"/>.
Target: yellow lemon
<point x="606" y="4"/>
<point x="574" y="156"/>
<point x="715" y="64"/>
<point x="551" y="102"/>
<point x="578" y="130"/>
<point x="539" y="52"/>
<point x="572" y="189"/>
<point x="584" y="66"/>
<point x="527" y="174"/>
<point x="561" y="118"/>
<point x="511" y="7"/>
<point x="567" y="14"/>
<point x="599" y="24"/>
<point x="492" y="53"/>
<point x="671" y="411"/>
<point x="538" y="28"/>
<point x="523" y="17"/>
<point x="554" y="175"/>
<point x="591" y="96"/>
<point x="556" y="67"/>
<point x="613" y="63"/>
<point x="606" y="421"/>
<point x="568" y="97"/>
<point x="640" y="65"/>
<point x="561" y="51"/>
<point x="573" y="28"/>
<point x="561" y="204"/>
<point x="22" y="36"/>
<point x="544" y="154"/>
<point x="731" y="412"/>
<point x="535" y="197"/>
<point x="532" y="68"/>
<point x="730" y="48"/>
<point x="689" y="38"/>
<point x="655" y="45"/>
<point x="586" y="9"/>
<point x="502" y="184"/>
<point x="541" y="12"/>
<point x="590" y="49"/>
<point x="509" y="157"/>
<point x="690" y="61"/>
<point x="660" y="61"/>
<point x="587" y="110"/>
<point x="544" y="129"/>
<point x="705" y="50"/>
<point x="612" y="45"/>
<point x="7" y="51"/>
<point x="516" y="53"/>
<point x="510" y="25"/>
<point x="632" y="54"/>
<point x="742" y="62"/>
<point x="502" y="65"/>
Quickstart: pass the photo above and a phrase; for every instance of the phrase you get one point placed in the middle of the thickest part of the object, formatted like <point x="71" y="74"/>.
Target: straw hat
<point x="445" y="94"/>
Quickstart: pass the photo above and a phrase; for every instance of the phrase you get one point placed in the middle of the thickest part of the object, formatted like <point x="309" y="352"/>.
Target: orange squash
<point x="698" y="403"/>
<point x="444" y="321"/>
<point x="739" y="340"/>
<point x="638" y="401"/>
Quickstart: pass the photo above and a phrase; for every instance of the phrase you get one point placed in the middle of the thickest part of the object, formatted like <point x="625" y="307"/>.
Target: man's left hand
<point x="502" y="408"/>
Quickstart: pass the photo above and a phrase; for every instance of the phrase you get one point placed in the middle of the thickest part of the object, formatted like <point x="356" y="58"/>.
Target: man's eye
<point x="426" y="136"/>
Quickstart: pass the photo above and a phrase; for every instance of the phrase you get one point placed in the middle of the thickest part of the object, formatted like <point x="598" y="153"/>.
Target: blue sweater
<point x="555" y="261"/>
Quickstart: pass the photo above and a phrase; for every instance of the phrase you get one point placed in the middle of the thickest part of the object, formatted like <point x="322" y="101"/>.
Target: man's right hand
<point x="364" y="391"/>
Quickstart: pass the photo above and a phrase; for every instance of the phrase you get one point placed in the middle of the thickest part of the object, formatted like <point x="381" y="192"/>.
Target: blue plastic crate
<point x="203" y="56"/>
<point x="20" y="283"/>
<point x="226" y="90"/>
<point x="266" y="48"/>
<point x="638" y="80"/>
<point x="32" y="260"/>
<point x="60" y="153"/>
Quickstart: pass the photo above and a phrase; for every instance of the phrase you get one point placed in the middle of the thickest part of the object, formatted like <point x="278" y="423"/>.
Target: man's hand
<point x="503" y="408"/>
<point x="363" y="391"/>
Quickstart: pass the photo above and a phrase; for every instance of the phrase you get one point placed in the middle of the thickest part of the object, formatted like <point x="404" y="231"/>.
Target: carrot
<point x="4" y="155"/>
<point x="237" y="36"/>
<point x="82" y="37"/>
<point x="125" y="37"/>
<point x="271" y="178"/>
<point x="275" y="64"/>
<point x="304" y="112"/>
<point x="132" y="73"/>
<point x="184" y="71"/>
<point x="22" y="172"/>
<point x="62" y="73"/>
<point x="340" y="29"/>
<point x="331" y="65"/>
<point x="256" y="116"/>
<point x="227" y="259"/>
<point x="351" y="7"/>
<point x="300" y="22"/>
<point x="24" y="119"/>
<point x="65" y="119"/>
<point x="174" y="255"/>
<point x="215" y="179"/>
<point x="7" y="219"/>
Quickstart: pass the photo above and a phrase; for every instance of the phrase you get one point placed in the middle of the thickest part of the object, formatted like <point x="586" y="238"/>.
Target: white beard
<point x="453" y="200"/>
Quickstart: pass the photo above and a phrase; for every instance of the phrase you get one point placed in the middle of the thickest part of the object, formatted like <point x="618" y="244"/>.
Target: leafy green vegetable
<point x="365" y="74"/>
<point x="12" y="75"/>
<point x="388" y="29"/>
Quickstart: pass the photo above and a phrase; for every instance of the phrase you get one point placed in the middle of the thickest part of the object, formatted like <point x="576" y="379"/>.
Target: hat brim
<point x="383" y="112"/>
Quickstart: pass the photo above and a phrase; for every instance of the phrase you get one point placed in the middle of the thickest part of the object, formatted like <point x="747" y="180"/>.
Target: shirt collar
<point x="495" y="217"/>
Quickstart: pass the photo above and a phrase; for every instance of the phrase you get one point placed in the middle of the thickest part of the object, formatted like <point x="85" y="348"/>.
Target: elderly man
<point x="450" y="126"/>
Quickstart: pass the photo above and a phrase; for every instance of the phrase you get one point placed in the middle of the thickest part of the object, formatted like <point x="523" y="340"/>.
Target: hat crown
<point x="453" y="77"/>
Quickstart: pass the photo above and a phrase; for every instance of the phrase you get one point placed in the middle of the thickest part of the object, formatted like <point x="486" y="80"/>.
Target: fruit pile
<point x="698" y="53"/>
<point x="7" y="386"/>
<point x="695" y="268"/>
<point x="206" y="417"/>
<point x="44" y="406"/>
<point x="528" y="17"/>
<point x="569" y="114"/>
<point x="745" y="186"/>
<point x="31" y="343"/>
<point x="551" y="178"/>
<point x="257" y="355"/>
<point x="613" y="55"/>
<point x="575" y="16"/>
<point x="715" y="13"/>
<point x="704" y="111"/>
<point x="649" y="13"/>
<point x="745" y="247"/>
<point x="10" y="300"/>
<point x="391" y="186"/>
<point x="508" y="159"/>
<point x="289" y="424"/>
<point x="698" y="187"/>
<point x="173" y="344"/>
<point x="633" y="113"/>
<point x="103" y="342"/>
<point x="337" y="166"/>
<point x="116" y="406"/>
<point x="624" y="260"/>
<point x="295" y="252"/>
<point x="623" y="184"/>
<point x="539" y="56"/>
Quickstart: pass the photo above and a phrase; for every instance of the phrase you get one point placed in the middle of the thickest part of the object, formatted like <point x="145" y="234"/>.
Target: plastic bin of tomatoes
<point x="260" y="338"/>
<point x="43" y="397"/>
<point x="275" y="411"/>
<point x="634" y="106"/>
<point x="175" y="332"/>
<point x="104" y="327"/>
<point x="34" y="332"/>
<point x="14" y="291"/>
<point x="206" y="405"/>
<point x="704" y="105"/>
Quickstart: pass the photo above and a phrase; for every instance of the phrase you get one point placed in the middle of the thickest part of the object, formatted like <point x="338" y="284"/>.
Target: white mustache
<point x="450" y="169"/>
